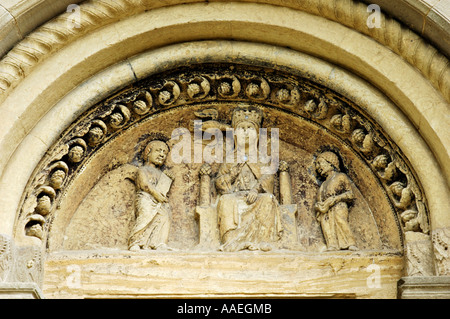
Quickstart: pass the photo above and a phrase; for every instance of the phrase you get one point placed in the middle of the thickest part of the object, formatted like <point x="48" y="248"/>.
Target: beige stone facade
<point x="86" y="85"/>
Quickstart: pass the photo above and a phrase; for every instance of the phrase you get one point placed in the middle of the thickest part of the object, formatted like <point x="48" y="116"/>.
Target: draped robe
<point x="335" y="226"/>
<point x="151" y="228"/>
<point x="243" y="225"/>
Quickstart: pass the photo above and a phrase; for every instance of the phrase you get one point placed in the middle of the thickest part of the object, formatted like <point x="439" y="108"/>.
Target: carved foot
<point x="251" y="246"/>
<point x="262" y="246"/>
<point x="163" y="247"/>
<point x="265" y="247"/>
<point x="333" y="248"/>
<point x="134" y="248"/>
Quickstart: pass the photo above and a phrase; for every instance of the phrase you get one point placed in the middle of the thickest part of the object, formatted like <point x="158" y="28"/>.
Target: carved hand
<point x="159" y="197"/>
<point x="251" y="196"/>
<point x="330" y="202"/>
<point x="321" y="207"/>
<point x="169" y="174"/>
<point x="224" y="183"/>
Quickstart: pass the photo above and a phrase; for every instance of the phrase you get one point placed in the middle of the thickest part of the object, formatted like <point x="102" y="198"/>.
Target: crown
<point x="250" y="114"/>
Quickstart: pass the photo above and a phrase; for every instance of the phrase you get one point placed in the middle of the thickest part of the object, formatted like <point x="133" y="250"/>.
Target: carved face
<point x="380" y="161"/>
<point x="323" y="166"/>
<point x="57" y="179"/>
<point x="246" y="134"/>
<point x="358" y="136"/>
<point x="76" y="154"/>
<point x="397" y="188"/>
<point x="158" y="153"/>
<point x="95" y="135"/>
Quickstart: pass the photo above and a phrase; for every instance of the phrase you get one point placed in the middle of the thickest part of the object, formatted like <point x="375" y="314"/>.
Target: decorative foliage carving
<point x="141" y="107"/>
<point x="288" y="96"/>
<point x="441" y="245"/>
<point x="257" y="89"/>
<point x="97" y="132"/>
<point x="198" y="88"/>
<point x="229" y="86"/>
<point x="6" y="257"/>
<point x="170" y="93"/>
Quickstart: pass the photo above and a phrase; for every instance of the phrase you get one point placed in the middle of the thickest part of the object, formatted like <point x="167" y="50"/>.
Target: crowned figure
<point x="248" y="211"/>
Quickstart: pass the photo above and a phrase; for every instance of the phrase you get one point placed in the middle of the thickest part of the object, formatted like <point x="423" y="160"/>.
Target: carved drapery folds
<point x="225" y="85"/>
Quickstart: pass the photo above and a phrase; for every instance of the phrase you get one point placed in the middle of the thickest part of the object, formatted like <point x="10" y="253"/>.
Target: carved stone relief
<point x="19" y="263"/>
<point x="441" y="244"/>
<point x="332" y="205"/>
<point x="6" y="257"/>
<point x="372" y="196"/>
<point x="153" y="213"/>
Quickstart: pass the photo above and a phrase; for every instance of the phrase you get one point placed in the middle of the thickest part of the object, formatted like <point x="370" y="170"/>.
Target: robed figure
<point x="248" y="211"/>
<point x="332" y="203"/>
<point x="153" y="212"/>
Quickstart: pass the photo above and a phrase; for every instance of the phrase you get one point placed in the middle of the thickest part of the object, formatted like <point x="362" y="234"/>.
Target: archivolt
<point x="97" y="13"/>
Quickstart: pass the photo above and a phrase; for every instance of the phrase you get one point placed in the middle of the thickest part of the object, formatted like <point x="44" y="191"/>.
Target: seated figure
<point x="249" y="215"/>
<point x="246" y="214"/>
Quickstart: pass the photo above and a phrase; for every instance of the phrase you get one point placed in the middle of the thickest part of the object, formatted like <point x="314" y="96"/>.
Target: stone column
<point x="289" y="210"/>
<point x="205" y="185"/>
<point x="207" y="214"/>
<point x="285" y="184"/>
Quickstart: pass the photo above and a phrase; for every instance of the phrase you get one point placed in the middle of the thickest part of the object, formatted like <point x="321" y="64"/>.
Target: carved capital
<point x="6" y="257"/>
<point x="284" y="166"/>
<point x="418" y="254"/>
<point x="205" y="170"/>
<point x="441" y="247"/>
<point x="20" y="264"/>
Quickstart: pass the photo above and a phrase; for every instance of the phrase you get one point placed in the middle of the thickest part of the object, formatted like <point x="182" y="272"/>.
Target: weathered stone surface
<point x="436" y="287"/>
<point x="307" y="125"/>
<point x="20" y="290"/>
<point x="124" y="274"/>
<point x="69" y="161"/>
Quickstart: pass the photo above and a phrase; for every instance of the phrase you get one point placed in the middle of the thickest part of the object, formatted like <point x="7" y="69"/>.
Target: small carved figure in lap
<point x="153" y="212"/>
<point x="332" y="201"/>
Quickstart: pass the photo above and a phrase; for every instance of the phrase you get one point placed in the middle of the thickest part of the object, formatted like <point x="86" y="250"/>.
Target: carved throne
<point x="206" y="211"/>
